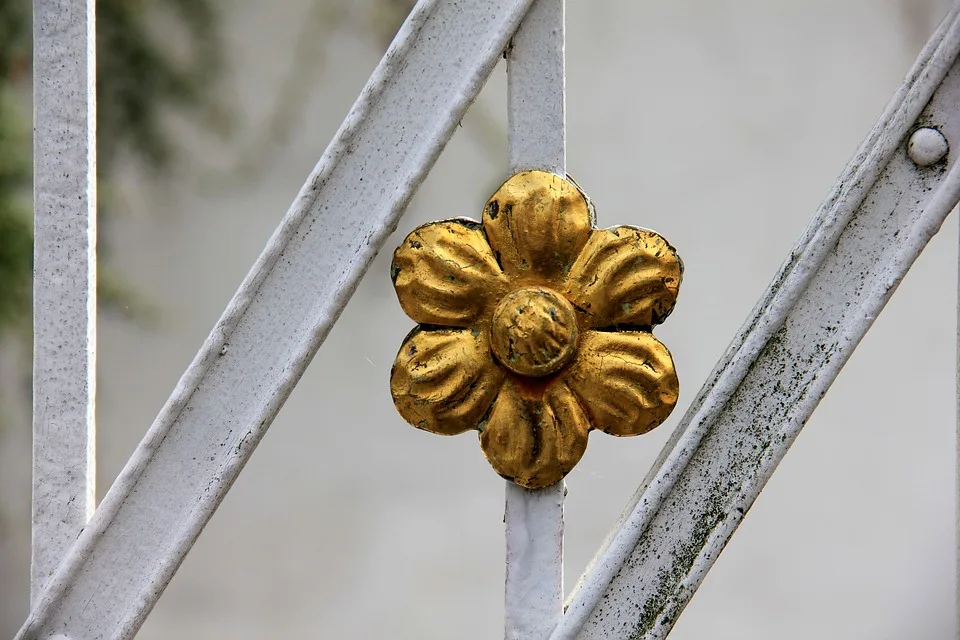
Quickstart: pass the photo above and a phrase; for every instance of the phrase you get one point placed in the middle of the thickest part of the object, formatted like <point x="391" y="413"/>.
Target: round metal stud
<point x="534" y="331"/>
<point x="927" y="146"/>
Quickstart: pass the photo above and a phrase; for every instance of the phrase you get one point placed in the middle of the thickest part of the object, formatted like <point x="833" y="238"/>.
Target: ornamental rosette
<point x="534" y="328"/>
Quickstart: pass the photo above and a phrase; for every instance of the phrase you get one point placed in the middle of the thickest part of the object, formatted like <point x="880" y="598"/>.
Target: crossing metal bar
<point x="243" y="373"/>
<point x="537" y="140"/>
<point x="64" y="279"/>
<point x="884" y="209"/>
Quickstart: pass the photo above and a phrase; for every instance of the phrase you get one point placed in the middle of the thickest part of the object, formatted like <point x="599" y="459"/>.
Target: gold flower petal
<point x="446" y="274"/>
<point x="537" y="223"/>
<point x="625" y="276"/>
<point x="535" y="442"/>
<point x="625" y="379"/>
<point x="444" y="380"/>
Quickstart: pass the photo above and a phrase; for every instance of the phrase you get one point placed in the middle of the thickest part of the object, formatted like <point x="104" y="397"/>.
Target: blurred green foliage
<point x="153" y="57"/>
<point x="16" y="241"/>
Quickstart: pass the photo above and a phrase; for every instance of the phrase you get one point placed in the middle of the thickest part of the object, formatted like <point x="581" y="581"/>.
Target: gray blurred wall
<point x="720" y="124"/>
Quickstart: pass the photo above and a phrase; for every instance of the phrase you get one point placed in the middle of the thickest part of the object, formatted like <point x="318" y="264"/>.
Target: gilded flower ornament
<point x="534" y="328"/>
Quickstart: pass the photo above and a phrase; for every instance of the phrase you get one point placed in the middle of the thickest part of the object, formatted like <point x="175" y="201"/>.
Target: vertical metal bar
<point x="64" y="290"/>
<point x="537" y="140"/>
<point x="536" y="90"/>
<point x="534" y="584"/>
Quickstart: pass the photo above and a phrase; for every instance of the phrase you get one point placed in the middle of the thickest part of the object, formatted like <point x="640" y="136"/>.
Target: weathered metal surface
<point x="927" y="147"/>
<point x="537" y="139"/>
<point x="847" y="264"/>
<point x="64" y="284"/>
<point x="284" y="309"/>
<point x="534" y="328"/>
<point x="533" y="589"/>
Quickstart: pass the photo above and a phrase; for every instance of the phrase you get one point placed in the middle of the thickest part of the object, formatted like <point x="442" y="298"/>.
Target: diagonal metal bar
<point x="872" y="226"/>
<point x="227" y="398"/>
<point x="64" y="282"/>
<point x="537" y="139"/>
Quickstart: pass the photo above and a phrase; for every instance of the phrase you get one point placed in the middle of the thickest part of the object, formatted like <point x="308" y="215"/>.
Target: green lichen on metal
<point x="666" y="600"/>
<point x="670" y="581"/>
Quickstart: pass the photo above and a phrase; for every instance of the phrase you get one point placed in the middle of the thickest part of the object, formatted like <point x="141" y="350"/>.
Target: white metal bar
<point x="536" y="91"/>
<point x="275" y="323"/>
<point x="64" y="281"/>
<point x="534" y="584"/>
<point x="537" y="140"/>
<point x="845" y="267"/>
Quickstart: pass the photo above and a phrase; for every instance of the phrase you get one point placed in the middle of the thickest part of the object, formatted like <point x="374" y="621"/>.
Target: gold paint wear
<point x="534" y="328"/>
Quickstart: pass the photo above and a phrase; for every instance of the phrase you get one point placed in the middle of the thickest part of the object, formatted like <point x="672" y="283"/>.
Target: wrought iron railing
<point x="886" y="205"/>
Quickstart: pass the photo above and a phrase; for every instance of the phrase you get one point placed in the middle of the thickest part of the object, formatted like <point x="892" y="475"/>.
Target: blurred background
<point x="729" y="116"/>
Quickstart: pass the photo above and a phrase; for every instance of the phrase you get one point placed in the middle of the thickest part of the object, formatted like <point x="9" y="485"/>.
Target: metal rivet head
<point x="927" y="147"/>
<point x="534" y="331"/>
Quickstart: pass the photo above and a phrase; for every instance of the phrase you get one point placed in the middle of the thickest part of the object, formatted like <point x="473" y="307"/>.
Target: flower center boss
<point x="534" y="328"/>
